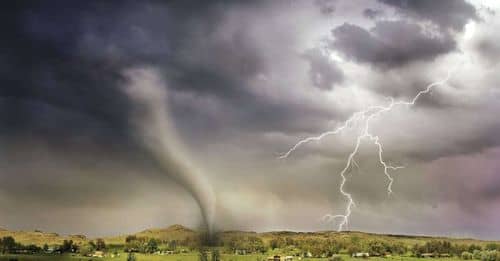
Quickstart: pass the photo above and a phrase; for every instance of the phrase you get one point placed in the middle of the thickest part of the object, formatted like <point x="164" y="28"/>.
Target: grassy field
<point x="123" y="257"/>
<point x="186" y="235"/>
<point x="194" y="257"/>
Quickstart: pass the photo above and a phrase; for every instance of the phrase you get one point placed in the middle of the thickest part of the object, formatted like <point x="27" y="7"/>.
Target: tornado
<point x="151" y="119"/>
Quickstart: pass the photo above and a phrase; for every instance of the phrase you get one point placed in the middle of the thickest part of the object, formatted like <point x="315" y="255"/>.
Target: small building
<point x="99" y="254"/>
<point x="427" y="255"/>
<point x="361" y="255"/>
<point x="280" y="258"/>
<point x="240" y="252"/>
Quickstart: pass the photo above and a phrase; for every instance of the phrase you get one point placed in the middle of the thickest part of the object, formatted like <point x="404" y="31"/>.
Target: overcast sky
<point x="240" y="82"/>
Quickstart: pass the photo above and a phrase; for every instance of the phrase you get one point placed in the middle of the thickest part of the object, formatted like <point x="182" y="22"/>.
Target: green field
<point x="194" y="257"/>
<point x="186" y="242"/>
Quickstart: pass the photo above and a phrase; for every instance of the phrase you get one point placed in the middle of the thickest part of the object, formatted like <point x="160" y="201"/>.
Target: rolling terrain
<point x="179" y="233"/>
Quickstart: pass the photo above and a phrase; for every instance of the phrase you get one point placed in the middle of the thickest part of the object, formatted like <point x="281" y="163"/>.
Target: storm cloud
<point x="323" y="72"/>
<point x="446" y="14"/>
<point x="245" y="81"/>
<point x="390" y="43"/>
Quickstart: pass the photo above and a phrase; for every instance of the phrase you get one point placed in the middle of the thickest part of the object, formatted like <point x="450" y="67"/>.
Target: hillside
<point x="174" y="232"/>
<point x="179" y="233"/>
<point x="40" y="238"/>
<point x="348" y="236"/>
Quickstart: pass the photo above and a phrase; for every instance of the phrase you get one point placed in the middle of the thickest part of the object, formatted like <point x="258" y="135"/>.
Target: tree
<point x="474" y="247"/>
<point x="492" y="246"/>
<point x="32" y="248"/>
<point x="215" y="255"/>
<point x="172" y="245"/>
<point x="203" y="255"/>
<point x="397" y="248"/>
<point x="86" y="250"/>
<point x="131" y="257"/>
<point x="376" y="247"/>
<point x="353" y="249"/>
<point x="100" y="245"/>
<point x="130" y="238"/>
<point x="417" y="250"/>
<point x="151" y="246"/>
<point x="67" y="246"/>
<point x="273" y="244"/>
<point x="8" y="244"/>
<point x="45" y="247"/>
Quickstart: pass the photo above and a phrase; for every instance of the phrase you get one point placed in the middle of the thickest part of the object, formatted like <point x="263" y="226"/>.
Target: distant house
<point x="427" y="255"/>
<point x="99" y="254"/>
<point x="52" y="250"/>
<point x="360" y="255"/>
<point x="240" y="252"/>
<point x="280" y="258"/>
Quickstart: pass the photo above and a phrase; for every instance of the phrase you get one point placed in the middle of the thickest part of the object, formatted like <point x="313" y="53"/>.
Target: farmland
<point x="180" y="243"/>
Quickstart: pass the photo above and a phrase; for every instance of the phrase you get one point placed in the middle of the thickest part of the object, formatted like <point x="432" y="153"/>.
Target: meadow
<point x="194" y="257"/>
<point x="181" y="243"/>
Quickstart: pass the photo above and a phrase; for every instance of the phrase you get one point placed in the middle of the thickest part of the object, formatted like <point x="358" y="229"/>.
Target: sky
<point x="118" y="116"/>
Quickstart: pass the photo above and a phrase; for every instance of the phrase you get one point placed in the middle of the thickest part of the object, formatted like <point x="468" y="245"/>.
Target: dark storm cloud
<point x="42" y="76"/>
<point x="70" y="57"/>
<point x="452" y="14"/>
<point x="246" y="79"/>
<point x="390" y="43"/>
<point x="61" y="84"/>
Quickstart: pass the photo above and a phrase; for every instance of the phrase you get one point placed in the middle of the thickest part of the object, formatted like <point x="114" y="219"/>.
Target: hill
<point x="349" y="236"/>
<point x="180" y="233"/>
<point x="174" y="232"/>
<point x="40" y="238"/>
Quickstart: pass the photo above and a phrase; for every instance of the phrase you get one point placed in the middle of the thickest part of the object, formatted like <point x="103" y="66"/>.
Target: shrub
<point x="476" y="254"/>
<point x="466" y="255"/>
<point x="353" y="249"/>
<point x="86" y="250"/>
<point x="491" y="255"/>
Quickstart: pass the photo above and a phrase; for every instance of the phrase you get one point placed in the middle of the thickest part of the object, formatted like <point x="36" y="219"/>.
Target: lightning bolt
<point x="365" y="117"/>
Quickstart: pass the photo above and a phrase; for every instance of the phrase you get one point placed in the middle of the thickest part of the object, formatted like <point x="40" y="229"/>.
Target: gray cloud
<point x="452" y="14"/>
<point x="324" y="73"/>
<point x="372" y="13"/>
<point x="326" y="7"/>
<point x="390" y="43"/>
